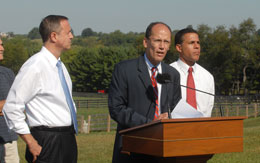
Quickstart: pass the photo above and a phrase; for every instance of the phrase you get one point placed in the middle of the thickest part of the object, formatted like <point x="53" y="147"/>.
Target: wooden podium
<point x="185" y="140"/>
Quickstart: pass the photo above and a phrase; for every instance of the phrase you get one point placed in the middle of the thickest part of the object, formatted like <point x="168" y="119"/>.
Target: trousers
<point x="11" y="152"/>
<point x="58" y="145"/>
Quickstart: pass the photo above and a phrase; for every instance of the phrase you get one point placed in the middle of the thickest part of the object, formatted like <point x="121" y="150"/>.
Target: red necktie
<point x="155" y="90"/>
<point x="191" y="94"/>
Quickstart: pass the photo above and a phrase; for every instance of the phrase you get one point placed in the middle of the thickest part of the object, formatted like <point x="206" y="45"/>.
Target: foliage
<point x="91" y="68"/>
<point x="88" y="32"/>
<point x="15" y="53"/>
<point x="34" y="34"/>
<point x="231" y="55"/>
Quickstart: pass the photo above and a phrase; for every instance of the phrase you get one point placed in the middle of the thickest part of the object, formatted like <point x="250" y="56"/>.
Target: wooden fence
<point x="236" y="109"/>
<point x="92" y="103"/>
<point x="103" y="122"/>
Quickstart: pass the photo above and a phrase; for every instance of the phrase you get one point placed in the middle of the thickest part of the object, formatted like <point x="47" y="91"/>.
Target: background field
<point x="97" y="147"/>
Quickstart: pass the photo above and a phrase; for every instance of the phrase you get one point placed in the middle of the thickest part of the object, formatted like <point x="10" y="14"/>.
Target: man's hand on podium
<point x="162" y="116"/>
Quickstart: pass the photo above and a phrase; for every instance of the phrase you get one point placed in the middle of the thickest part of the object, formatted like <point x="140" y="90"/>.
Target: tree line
<point x="232" y="55"/>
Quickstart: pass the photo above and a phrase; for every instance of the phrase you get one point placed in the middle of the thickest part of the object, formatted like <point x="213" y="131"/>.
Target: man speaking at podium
<point x="194" y="76"/>
<point x="135" y="97"/>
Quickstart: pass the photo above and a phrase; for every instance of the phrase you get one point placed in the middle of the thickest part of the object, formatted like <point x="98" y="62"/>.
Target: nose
<point x="71" y="35"/>
<point x="196" y="46"/>
<point x="162" y="45"/>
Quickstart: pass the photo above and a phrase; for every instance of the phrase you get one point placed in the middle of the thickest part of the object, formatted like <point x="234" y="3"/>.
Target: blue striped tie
<point x="68" y="96"/>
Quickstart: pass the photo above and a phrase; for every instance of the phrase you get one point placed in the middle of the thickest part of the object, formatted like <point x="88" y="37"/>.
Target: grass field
<point x="97" y="147"/>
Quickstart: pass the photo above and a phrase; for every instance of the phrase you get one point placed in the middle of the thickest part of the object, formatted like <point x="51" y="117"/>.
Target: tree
<point x="15" y="54"/>
<point x="91" y="68"/>
<point x="34" y="34"/>
<point x="117" y="38"/>
<point x="88" y="32"/>
<point x="245" y="37"/>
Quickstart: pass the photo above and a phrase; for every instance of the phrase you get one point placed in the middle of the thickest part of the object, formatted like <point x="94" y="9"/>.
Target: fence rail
<point x="92" y="103"/>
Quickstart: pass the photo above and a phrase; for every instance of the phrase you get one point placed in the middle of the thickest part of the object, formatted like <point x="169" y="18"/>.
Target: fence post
<point x="227" y="111"/>
<point x="255" y="105"/>
<point x="108" y="123"/>
<point x="247" y="110"/>
<point x="78" y="104"/>
<point x="237" y="110"/>
<point x="89" y="119"/>
<point x="216" y="111"/>
<point x="81" y="123"/>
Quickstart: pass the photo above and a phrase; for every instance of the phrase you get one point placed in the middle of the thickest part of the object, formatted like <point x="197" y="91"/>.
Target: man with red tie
<point x="194" y="76"/>
<point x="135" y="97"/>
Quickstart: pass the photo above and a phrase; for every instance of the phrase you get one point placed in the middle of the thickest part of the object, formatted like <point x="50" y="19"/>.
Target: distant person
<point x="8" y="138"/>
<point x="44" y="94"/>
<point x="135" y="97"/>
<point x="187" y="44"/>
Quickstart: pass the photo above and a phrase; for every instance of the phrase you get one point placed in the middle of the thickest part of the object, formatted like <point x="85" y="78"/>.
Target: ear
<point x="53" y="37"/>
<point x="145" y="40"/>
<point x="178" y="48"/>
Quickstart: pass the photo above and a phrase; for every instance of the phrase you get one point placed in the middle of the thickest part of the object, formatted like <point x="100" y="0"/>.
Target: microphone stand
<point x="168" y="105"/>
<point x="197" y="90"/>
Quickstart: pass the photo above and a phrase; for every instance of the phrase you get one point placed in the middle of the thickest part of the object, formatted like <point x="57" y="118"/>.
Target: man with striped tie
<point x="42" y="89"/>
<point x="135" y="97"/>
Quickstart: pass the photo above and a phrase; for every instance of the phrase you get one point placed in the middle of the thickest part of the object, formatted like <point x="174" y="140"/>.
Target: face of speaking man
<point x="157" y="44"/>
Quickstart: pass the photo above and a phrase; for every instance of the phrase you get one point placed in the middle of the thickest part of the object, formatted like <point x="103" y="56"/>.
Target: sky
<point x="20" y="16"/>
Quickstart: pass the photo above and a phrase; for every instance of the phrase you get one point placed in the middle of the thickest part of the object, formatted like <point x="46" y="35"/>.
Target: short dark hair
<point x="148" y="32"/>
<point x="179" y="35"/>
<point x="50" y="23"/>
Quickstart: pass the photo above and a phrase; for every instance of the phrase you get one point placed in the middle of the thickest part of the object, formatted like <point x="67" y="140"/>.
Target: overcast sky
<point x="20" y="16"/>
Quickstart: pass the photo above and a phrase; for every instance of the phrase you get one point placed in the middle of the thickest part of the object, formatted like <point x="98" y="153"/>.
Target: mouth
<point x="196" y="53"/>
<point x="160" y="53"/>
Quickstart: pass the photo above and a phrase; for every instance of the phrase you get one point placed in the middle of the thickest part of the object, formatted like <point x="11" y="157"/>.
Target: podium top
<point x="183" y="120"/>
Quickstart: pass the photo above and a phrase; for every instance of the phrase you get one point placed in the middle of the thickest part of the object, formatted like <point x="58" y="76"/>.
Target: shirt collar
<point x="150" y="65"/>
<point x="50" y="57"/>
<point x="184" y="67"/>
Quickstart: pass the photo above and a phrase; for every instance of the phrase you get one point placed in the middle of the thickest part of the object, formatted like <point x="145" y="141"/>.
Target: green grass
<point x="85" y="112"/>
<point x="97" y="147"/>
<point x="251" y="153"/>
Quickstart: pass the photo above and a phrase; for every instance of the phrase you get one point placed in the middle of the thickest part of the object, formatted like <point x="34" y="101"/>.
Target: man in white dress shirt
<point x="187" y="43"/>
<point x="46" y="127"/>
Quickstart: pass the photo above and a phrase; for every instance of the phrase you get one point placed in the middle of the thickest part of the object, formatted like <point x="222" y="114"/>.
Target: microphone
<point x="166" y="78"/>
<point x="163" y="78"/>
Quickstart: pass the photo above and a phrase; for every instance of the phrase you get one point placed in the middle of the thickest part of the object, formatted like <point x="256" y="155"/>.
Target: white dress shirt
<point x="203" y="80"/>
<point x="37" y="90"/>
<point x="159" y="86"/>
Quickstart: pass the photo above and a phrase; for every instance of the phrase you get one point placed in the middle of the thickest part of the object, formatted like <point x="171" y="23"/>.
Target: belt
<point x="53" y="129"/>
